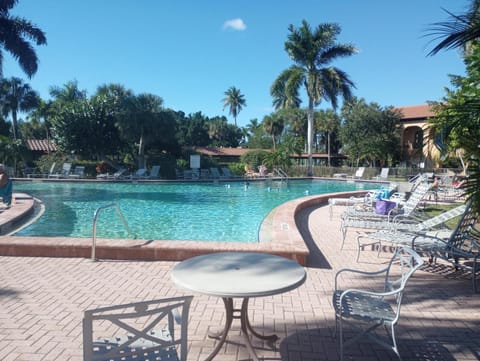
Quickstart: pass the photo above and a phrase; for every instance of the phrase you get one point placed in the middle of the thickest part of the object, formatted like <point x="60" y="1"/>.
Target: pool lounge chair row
<point x="141" y="173"/>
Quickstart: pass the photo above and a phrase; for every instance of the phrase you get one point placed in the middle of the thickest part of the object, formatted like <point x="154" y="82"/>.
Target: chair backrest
<point x="66" y="168"/>
<point x="155" y="171"/>
<point x="119" y="172"/>
<point x="142" y="330"/>
<point x="52" y="168"/>
<point x="464" y="227"/>
<point x="141" y="172"/>
<point x="417" y="195"/>
<point x="407" y="261"/>
<point x="79" y="170"/>
<point x="384" y="173"/>
<point x="226" y="172"/>
<point x="443" y="217"/>
<point x="215" y="173"/>
<point x="359" y="172"/>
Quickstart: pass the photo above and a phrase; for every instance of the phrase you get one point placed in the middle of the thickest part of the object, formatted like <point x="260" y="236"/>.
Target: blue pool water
<point x="213" y="211"/>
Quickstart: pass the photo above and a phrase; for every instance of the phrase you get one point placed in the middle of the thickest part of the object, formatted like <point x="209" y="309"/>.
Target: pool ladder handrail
<point x="283" y="175"/>
<point x="95" y="218"/>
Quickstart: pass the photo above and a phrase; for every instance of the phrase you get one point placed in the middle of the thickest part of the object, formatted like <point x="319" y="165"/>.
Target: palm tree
<point x="327" y="121"/>
<point x="312" y="51"/>
<point x="458" y="32"/>
<point x="17" y="97"/>
<point x="15" y="36"/>
<point x="273" y="125"/>
<point x="235" y="101"/>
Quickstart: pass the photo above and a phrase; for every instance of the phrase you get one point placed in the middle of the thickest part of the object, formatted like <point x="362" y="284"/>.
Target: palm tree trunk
<point x="310" y="136"/>
<point x="14" y="123"/>
<point x="328" y="148"/>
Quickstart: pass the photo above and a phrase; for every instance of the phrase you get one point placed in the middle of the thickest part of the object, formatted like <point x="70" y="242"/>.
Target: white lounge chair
<point x="358" y="174"/>
<point x="368" y="219"/>
<point x="383" y="174"/>
<point x="117" y="175"/>
<point x="402" y="231"/>
<point x="64" y="173"/>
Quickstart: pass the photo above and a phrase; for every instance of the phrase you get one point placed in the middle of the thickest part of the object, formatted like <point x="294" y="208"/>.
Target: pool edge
<point x="286" y="239"/>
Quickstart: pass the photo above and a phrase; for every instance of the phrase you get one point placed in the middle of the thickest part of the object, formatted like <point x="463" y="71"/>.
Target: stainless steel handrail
<point x="95" y="218"/>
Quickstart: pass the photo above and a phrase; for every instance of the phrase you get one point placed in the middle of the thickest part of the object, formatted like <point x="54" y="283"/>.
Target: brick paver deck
<point x="42" y="301"/>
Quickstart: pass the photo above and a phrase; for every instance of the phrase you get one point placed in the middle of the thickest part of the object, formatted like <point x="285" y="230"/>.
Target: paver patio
<point x="42" y="302"/>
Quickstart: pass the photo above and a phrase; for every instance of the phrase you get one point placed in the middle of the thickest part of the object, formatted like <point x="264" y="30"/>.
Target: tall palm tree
<point x="312" y="52"/>
<point x="17" y="96"/>
<point x="457" y="32"/>
<point x="15" y="36"/>
<point x="235" y="101"/>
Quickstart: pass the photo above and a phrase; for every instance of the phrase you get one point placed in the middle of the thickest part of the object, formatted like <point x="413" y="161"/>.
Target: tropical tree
<point x="16" y="96"/>
<point x="457" y="117"/>
<point x="312" y="52"/>
<point x="459" y="31"/>
<point x="192" y="129"/>
<point x="370" y="132"/>
<point x="329" y="122"/>
<point x="273" y="125"/>
<point x="15" y="36"/>
<point x="235" y="101"/>
<point x="138" y="121"/>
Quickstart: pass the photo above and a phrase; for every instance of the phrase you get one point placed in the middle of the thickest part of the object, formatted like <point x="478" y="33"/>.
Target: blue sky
<point x="189" y="52"/>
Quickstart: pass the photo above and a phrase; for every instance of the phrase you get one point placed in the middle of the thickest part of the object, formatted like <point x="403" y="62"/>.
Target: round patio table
<point x="242" y="275"/>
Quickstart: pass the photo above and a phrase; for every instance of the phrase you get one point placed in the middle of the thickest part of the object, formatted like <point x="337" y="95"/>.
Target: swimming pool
<point x="213" y="211"/>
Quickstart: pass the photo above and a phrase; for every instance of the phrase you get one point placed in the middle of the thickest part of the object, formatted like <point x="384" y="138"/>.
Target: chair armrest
<point x="343" y="270"/>
<point x="369" y="293"/>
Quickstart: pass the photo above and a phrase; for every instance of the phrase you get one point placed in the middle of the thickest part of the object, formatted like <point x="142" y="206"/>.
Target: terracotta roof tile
<point x="416" y="111"/>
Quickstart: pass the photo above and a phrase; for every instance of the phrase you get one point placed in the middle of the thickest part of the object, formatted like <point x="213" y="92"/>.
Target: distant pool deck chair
<point x="78" y="172"/>
<point x="383" y="174"/>
<point x="358" y="174"/>
<point x="64" y="173"/>
<point x="154" y="172"/>
<point x="115" y="176"/>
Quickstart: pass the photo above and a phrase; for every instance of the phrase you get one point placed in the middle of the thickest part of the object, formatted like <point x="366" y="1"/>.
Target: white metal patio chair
<point x="150" y="330"/>
<point x="366" y="310"/>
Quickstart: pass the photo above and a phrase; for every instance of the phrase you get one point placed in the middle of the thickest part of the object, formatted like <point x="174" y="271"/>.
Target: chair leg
<point x="394" y="341"/>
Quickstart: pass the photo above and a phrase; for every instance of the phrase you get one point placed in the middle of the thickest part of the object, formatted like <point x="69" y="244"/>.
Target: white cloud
<point x="235" y="24"/>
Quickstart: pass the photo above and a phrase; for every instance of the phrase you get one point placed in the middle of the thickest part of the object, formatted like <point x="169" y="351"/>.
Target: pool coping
<point x="278" y="235"/>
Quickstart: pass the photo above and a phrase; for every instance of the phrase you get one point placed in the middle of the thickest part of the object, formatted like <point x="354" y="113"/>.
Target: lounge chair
<point x="452" y="245"/>
<point x="137" y="331"/>
<point x="367" y="218"/>
<point x="372" y="309"/>
<point x="64" y="173"/>
<point x="358" y="174"/>
<point x="402" y="231"/>
<point x="154" y="172"/>
<point x="78" y="172"/>
<point x="383" y="174"/>
<point x="227" y="174"/>
<point x="115" y="176"/>
<point x="215" y="173"/>
<point x="141" y="173"/>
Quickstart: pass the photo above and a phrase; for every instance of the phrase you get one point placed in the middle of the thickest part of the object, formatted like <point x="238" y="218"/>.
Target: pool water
<point x="216" y="211"/>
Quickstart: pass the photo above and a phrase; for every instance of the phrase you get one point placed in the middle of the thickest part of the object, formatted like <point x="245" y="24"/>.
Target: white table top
<point x="238" y="274"/>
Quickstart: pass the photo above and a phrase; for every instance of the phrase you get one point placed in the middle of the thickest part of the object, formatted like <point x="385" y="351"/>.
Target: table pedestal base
<point x="232" y="313"/>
